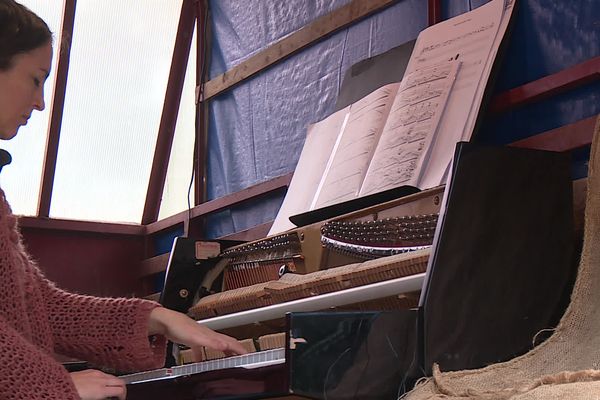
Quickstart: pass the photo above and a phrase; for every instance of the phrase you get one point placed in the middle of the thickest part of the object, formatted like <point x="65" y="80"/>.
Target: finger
<point x="232" y="345"/>
<point x="114" y="381"/>
<point x="119" y="392"/>
<point x="235" y="348"/>
<point x="118" y="385"/>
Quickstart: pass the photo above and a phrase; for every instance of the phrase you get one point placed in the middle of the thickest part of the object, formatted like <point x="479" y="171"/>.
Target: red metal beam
<point x="434" y="12"/>
<point x="222" y="203"/>
<point x="170" y="110"/>
<point x="560" y="139"/>
<point x="58" y="104"/>
<point x="251" y="234"/>
<point x="564" y="138"/>
<point x="548" y="86"/>
<point x="202" y="64"/>
<point x="52" y="224"/>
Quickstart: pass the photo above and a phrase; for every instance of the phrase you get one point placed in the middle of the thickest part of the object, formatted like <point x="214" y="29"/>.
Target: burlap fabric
<point x="567" y="365"/>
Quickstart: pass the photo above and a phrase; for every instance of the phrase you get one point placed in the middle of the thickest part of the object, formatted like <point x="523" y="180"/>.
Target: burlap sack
<point x="567" y="365"/>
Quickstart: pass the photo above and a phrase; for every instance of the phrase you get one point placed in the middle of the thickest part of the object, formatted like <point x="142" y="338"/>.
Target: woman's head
<point x="25" y="59"/>
<point x="20" y="31"/>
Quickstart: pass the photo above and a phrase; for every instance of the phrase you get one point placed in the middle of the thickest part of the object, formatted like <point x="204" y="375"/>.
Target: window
<point x="120" y="59"/>
<point x="179" y="173"/>
<point x="21" y="179"/>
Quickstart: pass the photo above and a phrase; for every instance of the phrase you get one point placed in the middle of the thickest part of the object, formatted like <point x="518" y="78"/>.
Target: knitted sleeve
<point x="110" y="332"/>
<point x="26" y="372"/>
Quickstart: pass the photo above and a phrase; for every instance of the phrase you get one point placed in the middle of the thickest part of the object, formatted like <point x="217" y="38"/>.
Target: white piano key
<point x="252" y="360"/>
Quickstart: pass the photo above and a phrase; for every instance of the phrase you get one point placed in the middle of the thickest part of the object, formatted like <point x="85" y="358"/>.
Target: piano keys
<point x="247" y="376"/>
<point x="333" y="356"/>
<point x="252" y="360"/>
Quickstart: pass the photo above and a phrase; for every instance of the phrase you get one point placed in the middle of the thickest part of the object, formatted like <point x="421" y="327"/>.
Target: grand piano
<point x="358" y="319"/>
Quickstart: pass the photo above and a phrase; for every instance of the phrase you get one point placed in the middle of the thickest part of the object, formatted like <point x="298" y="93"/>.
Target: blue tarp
<point x="257" y="129"/>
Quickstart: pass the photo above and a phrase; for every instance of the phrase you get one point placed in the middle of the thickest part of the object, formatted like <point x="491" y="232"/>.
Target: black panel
<point x="368" y="75"/>
<point x="352" y="355"/>
<point x="185" y="273"/>
<point x="335" y="210"/>
<point x="183" y="278"/>
<point x="503" y="256"/>
<point x="225" y="384"/>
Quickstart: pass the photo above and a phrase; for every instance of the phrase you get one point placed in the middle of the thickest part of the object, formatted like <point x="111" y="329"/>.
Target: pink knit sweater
<point x="37" y="319"/>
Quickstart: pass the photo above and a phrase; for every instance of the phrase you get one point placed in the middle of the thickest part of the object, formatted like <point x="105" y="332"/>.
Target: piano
<point x="252" y="375"/>
<point x="502" y="239"/>
<point x="323" y="353"/>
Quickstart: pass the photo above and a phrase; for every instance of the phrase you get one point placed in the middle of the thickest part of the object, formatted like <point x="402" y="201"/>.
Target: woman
<point x="36" y="318"/>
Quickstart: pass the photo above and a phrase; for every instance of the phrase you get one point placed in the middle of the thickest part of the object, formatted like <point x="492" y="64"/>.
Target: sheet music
<point x="469" y="38"/>
<point x="410" y="128"/>
<point x="474" y="112"/>
<point x="346" y="170"/>
<point x="318" y="147"/>
<point x="413" y="126"/>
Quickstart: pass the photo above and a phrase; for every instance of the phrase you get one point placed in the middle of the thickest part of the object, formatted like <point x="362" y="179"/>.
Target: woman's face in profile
<point x="22" y="89"/>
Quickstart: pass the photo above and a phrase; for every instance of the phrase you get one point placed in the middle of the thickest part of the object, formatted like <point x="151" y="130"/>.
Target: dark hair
<point x="21" y="31"/>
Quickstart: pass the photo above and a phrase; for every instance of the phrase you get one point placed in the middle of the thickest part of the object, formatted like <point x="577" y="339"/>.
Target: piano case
<point x="502" y="265"/>
<point x="335" y="356"/>
<point x="499" y="272"/>
<point x="352" y="355"/>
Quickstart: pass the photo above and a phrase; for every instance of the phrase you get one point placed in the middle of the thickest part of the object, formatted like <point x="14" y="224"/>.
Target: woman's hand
<point x="179" y="328"/>
<point x="95" y="385"/>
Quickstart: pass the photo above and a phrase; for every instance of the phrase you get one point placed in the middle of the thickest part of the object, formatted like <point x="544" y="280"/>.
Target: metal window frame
<point x="195" y="14"/>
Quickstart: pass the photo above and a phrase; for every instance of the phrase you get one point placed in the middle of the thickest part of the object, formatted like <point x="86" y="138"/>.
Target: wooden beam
<point x="564" y="138"/>
<point x="251" y="234"/>
<point x="154" y="265"/>
<point x="548" y="86"/>
<point x="58" y="105"/>
<point x="222" y="203"/>
<point x="201" y="150"/>
<point x="309" y="34"/>
<point x="434" y="12"/>
<point x="81" y="226"/>
<point x="168" y="120"/>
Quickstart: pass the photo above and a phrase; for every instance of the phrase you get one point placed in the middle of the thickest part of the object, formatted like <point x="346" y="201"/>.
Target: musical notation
<point x="473" y="39"/>
<point x="403" y="134"/>
<point x="410" y="128"/>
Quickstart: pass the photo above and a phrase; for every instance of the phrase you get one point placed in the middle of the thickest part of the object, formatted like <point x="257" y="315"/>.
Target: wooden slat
<point x="153" y="297"/>
<point x="252" y="234"/>
<point x="274" y="184"/>
<point x="434" y="12"/>
<point x="565" y="138"/>
<point x="279" y="183"/>
<point x="56" y="113"/>
<point x="548" y="86"/>
<point x="81" y="226"/>
<point x="201" y="142"/>
<point x="168" y="119"/>
<point x="309" y="34"/>
<point x="154" y="265"/>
